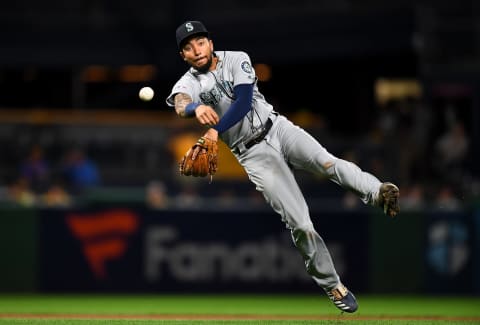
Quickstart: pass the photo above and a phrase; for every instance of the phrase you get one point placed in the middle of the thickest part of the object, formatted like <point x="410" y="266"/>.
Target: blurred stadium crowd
<point x="427" y="153"/>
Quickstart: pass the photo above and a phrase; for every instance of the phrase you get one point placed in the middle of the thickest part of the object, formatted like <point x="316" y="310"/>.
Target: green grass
<point x="304" y="310"/>
<point x="231" y="322"/>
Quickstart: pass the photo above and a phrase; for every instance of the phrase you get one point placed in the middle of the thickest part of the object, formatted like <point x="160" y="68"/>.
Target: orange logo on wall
<point x="103" y="235"/>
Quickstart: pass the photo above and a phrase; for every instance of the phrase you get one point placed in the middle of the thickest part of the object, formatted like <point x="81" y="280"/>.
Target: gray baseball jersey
<point x="215" y="88"/>
<point x="270" y="162"/>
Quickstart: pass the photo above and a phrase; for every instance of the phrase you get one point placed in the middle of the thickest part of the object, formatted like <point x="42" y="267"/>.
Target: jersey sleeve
<point x="185" y="85"/>
<point x="242" y="70"/>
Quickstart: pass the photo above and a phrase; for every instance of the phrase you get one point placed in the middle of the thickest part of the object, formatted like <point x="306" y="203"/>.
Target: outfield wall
<point x="133" y="249"/>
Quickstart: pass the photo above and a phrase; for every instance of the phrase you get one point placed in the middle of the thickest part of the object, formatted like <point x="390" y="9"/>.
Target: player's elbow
<point x="181" y="113"/>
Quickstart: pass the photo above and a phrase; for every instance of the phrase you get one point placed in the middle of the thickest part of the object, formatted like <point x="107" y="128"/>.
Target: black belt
<point x="261" y="135"/>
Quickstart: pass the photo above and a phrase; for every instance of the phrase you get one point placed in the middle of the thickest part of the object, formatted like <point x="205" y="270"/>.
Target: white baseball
<point x="146" y="94"/>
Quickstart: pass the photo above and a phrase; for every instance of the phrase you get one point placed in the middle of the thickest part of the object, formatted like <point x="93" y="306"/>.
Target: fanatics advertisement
<point x="139" y="250"/>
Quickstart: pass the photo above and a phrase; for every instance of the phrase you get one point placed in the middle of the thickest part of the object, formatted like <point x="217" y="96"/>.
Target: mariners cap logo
<point x="189" y="29"/>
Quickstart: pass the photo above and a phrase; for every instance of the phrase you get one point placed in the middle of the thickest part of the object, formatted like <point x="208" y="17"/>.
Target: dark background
<point x="315" y="46"/>
<point x="324" y="56"/>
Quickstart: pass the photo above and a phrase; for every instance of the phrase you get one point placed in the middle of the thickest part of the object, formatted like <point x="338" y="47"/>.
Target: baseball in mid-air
<point x="146" y="94"/>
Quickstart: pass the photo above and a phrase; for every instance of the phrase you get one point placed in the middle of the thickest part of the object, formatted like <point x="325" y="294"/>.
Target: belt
<point x="250" y="143"/>
<point x="261" y="135"/>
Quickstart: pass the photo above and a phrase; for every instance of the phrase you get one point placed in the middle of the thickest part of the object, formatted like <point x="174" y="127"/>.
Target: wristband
<point x="190" y="109"/>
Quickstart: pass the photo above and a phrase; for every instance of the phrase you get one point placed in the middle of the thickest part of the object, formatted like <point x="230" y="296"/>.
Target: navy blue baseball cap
<point x="189" y="29"/>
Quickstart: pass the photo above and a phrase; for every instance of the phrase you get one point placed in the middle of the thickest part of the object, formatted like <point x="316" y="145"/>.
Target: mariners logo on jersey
<point x="246" y="67"/>
<point x="219" y="89"/>
<point x="211" y="97"/>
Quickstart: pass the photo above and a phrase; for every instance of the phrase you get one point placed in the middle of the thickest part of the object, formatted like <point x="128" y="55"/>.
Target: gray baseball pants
<point x="270" y="164"/>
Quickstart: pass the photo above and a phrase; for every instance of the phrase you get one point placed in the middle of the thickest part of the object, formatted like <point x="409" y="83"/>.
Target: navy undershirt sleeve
<point x="239" y="108"/>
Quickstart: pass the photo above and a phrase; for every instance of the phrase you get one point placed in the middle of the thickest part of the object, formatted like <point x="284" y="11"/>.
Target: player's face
<point x="198" y="52"/>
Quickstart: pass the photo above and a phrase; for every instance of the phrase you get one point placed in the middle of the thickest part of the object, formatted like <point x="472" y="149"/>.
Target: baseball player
<point x="220" y="91"/>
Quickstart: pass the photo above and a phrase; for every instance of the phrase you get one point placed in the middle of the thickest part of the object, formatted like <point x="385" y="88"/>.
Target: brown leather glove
<point x="201" y="159"/>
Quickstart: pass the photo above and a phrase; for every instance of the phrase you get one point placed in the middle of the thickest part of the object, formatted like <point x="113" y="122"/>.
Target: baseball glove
<point x="201" y="159"/>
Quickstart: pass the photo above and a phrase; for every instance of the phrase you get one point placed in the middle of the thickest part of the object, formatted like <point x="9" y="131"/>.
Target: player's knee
<point x="327" y="165"/>
<point x="301" y="232"/>
<point x="329" y="168"/>
<point x="340" y="169"/>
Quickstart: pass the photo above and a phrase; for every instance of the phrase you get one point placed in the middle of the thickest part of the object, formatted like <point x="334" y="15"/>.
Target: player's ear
<point x="183" y="56"/>
<point x="211" y="44"/>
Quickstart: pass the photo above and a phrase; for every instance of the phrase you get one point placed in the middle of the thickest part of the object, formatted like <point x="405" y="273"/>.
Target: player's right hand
<point x="206" y="115"/>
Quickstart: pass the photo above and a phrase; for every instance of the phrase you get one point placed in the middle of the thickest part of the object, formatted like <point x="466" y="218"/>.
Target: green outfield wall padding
<point x="18" y="252"/>
<point x="396" y="253"/>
